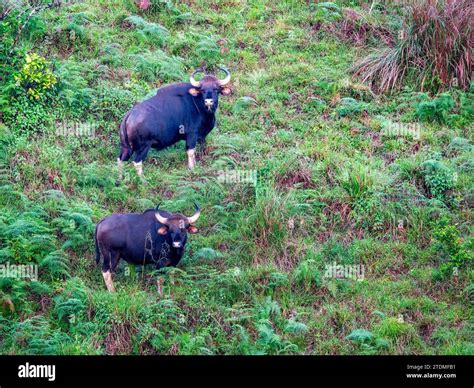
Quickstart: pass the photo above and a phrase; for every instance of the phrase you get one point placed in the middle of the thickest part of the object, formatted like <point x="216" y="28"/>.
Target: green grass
<point x="332" y="187"/>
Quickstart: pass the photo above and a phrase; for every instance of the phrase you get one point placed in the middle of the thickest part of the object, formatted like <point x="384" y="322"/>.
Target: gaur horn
<point x="193" y="82"/>
<point x="226" y="80"/>
<point x="196" y="215"/>
<point x="160" y="219"/>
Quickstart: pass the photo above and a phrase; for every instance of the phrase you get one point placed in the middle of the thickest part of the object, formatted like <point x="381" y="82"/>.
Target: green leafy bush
<point x="35" y="76"/>
<point x="208" y="49"/>
<point x="436" y="109"/>
<point x="357" y="182"/>
<point x="438" y="178"/>
<point x="27" y="116"/>
<point x="19" y="22"/>
<point x="455" y="250"/>
<point x="454" y="108"/>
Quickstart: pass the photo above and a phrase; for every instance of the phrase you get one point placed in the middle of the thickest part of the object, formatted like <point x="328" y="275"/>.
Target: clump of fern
<point x="368" y="342"/>
<point x="152" y="66"/>
<point x="148" y="31"/>
<point x="438" y="177"/>
<point x="76" y="226"/>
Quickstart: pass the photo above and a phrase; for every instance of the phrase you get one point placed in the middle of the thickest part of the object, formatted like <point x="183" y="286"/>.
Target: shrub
<point x="72" y="301"/>
<point x="56" y="264"/>
<point x="449" y="242"/>
<point x="26" y="238"/>
<point x="37" y="336"/>
<point x="9" y="63"/>
<point x="436" y="109"/>
<point x="153" y="32"/>
<point x="438" y="178"/>
<point x="208" y="49"/>
<point x="19" y="21"/>
<point x="295" y="327"/>
<point x="36" y="77"/>
<point x="454" y="108"/>
<point x="434" y="49"/>
<point x="360" y="336"/>
<point x="26" y="116"/>
<point x="76" y="226"/>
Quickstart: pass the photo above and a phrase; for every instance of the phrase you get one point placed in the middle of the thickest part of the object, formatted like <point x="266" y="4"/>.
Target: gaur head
<point x="177" y="226"/>
<point x="209" y="88"/>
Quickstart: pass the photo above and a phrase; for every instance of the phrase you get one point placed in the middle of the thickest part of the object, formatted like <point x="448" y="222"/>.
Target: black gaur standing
<point x="181" y="111"/>
<point x="153" y="237"/>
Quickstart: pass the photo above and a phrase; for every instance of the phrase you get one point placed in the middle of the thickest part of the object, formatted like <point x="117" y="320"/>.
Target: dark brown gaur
<point x="153" y="237"/>
<point x="182" y="111"/>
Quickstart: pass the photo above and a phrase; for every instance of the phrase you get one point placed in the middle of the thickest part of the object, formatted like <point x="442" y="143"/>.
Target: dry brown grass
<point x="435" y="49"/>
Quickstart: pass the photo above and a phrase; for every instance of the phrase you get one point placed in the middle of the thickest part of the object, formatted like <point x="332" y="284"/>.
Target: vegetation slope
<point x="344" y="177"/>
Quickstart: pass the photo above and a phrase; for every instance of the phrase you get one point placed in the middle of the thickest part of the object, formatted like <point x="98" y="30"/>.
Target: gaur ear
<point x="193" y="92"/>
<point x="162" y="230"/>
<point x="192" y="229"/>
<point x="225" y="91"/>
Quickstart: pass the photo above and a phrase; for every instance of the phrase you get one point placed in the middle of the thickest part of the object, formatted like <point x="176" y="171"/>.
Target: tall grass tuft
<point x="434" y="49"/>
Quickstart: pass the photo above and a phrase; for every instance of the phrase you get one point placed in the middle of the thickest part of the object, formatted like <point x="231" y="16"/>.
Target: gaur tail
<point x="125" y="147"/>
<point x="126" y="150"/>
<point x="97" y="249"/>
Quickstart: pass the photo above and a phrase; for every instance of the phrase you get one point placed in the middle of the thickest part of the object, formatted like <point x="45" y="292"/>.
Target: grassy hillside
<point x="344" y="176"/>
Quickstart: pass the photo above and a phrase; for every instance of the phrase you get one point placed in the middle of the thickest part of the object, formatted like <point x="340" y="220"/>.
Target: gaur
<point x="180" y="111"/>
<point x="153" y="237"/>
